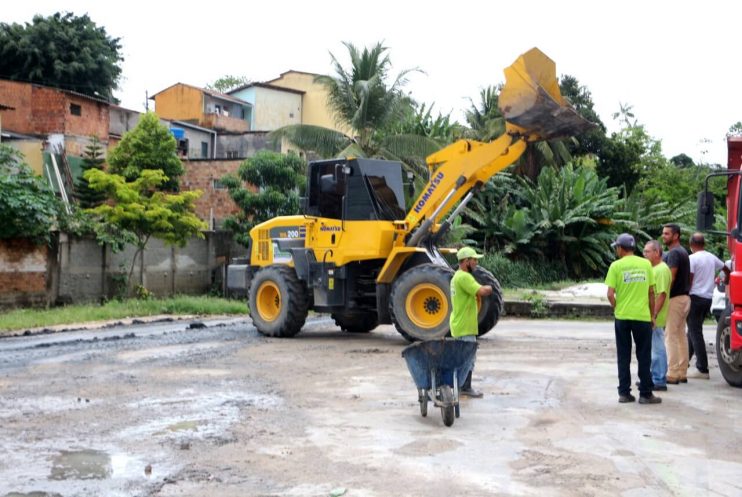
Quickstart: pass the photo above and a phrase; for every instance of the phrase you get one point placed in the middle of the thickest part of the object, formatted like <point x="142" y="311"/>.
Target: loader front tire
<point x="356" y="322"/>
<point x="420" y="302"/>
<point x="491" y="306"/>
<point x="278" y="301"/>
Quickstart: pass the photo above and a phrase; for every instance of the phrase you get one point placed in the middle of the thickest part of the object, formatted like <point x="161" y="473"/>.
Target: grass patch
<point x="22" y="319"/>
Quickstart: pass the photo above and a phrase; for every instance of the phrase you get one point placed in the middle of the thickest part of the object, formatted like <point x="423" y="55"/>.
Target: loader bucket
<point x="531" y="100"/>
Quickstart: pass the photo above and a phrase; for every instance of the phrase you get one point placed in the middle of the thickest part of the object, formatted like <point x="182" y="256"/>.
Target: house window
<point x="75" y="110"/>
<point x="232" y="154"/>
<point x="217" y="109"/>
<point x="204" y="150"/>
<point x="217" y="185"/>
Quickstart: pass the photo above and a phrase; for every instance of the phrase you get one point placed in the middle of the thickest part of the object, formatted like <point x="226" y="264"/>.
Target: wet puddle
<point x="81" y="465"/>
<point x="90" y="464"/>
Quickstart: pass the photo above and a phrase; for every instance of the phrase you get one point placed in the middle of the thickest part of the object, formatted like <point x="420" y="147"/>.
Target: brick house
<point x="66" y="118"/>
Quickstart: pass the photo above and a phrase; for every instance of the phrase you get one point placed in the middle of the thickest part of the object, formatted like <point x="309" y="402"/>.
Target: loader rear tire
<point x="420" y="302"/>
<point x="278" y="301"/>
<point x="356" y="322"/>
<point x="491" y="306"/>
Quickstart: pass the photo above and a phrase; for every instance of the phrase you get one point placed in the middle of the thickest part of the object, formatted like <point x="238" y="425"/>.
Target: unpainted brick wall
<point x="200" y="175"/>
<point x="42" y="110"/>
<point x="23" y="273"/>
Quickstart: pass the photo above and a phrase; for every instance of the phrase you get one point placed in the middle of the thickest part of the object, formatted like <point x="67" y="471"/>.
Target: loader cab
<point x="355" y="190"/>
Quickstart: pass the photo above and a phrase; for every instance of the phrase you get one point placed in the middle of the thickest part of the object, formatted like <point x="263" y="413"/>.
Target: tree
<point x="682" y="160"/>
<point x="364" y="101"/>
<point x="88" y="198"/>
<point x="28" y="207"/>
<point x="276" y="180"/>
<point x="64" y="51"/>
<point x="150" y="145"/>
<point x="228" y="83"/>
<point x="630" y="154"/>
<point x="486" y="121"/>
<point x="139" y="210"/>
<point x="581" y="99"/>
<point x="735" y="129"/>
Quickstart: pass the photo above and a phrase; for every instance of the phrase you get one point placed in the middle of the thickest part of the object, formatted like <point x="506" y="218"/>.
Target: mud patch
<point x="428" y="447"/>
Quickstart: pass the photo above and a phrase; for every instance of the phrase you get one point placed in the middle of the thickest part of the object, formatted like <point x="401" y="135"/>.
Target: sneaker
<point x="699" y="375"/>
<point x="470" y="392"/>
<point x="683" y="380"/>
<point x="649" y="399"/>
<point x="623" y="399"/>
<point x="660" y="388"/>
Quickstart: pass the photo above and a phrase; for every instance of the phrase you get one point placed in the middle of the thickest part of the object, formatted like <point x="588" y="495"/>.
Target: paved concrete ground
<point x="164" y="410"/>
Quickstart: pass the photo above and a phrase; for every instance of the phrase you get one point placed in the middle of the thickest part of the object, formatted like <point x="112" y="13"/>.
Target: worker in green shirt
<point x="630" y="282"/>
<point x="464" y="320"/>
<point x="662" y="279"/>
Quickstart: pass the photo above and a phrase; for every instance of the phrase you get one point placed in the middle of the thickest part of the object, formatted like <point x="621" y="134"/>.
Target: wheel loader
<point x="358" y="255"/>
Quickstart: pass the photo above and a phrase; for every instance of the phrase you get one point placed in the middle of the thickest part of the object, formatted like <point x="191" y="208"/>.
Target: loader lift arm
<point x="534" y="110"/>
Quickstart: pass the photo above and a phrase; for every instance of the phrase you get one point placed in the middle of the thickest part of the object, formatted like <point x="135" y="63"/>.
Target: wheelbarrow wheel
<point x="422" y="398"/>
<point x="447" y="409"/>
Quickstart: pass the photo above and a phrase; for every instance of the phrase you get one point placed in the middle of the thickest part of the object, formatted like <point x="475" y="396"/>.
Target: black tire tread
<point x="356" y="322"/>
<point x="297" y="301"/>
<point x="733" y="378"/>
<point x="490" y="319"/>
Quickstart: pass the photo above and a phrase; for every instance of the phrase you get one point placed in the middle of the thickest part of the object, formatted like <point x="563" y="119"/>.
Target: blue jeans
<point x="659" y="357"/>
<point x="641" y="332"/>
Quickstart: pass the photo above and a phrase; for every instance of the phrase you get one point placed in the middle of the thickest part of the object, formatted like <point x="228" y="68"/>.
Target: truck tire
<point x="491" y="306"/>
<point x="730" y="363"/>
<point x="420" y="302"/>
<point x="356" y="322"/>
<point x="278" y="301"/>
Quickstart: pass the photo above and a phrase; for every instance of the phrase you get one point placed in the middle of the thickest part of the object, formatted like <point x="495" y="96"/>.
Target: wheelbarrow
<point x="438" y="367"/>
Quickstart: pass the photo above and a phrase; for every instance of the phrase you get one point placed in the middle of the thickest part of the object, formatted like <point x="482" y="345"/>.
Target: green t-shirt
<point x="463" y="319"/>
<point x="662" y="280"/>
<point x="631" y="277"/>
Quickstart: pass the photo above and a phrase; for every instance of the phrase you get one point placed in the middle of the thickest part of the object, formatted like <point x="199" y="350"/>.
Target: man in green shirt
<point x="662" y="279"/>
<point x="630" y="283"/>
<point x="464" y="320"/>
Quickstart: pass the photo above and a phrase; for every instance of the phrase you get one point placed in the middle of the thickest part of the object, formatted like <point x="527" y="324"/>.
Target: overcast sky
<point x="671" y="61"/>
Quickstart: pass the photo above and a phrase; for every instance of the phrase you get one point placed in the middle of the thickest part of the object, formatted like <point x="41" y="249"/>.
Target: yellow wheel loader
<point x="356" y="254"/>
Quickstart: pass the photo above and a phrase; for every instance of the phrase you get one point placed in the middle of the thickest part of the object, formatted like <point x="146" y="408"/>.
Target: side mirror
<point x="705" y="215"/>
<point x="328" y="184"/>
<point x="303" y="204"/>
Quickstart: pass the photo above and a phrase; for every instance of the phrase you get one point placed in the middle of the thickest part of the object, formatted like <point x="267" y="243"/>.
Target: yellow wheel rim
<point x="426" y="305"/>
<point x="269" y="301"/>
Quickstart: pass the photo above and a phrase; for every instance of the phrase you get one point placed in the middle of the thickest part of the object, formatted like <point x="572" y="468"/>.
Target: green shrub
<point x="522" y="273"/>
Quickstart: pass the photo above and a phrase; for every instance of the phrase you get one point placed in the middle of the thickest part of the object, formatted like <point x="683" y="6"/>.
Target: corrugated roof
<point x="211" y="93"/>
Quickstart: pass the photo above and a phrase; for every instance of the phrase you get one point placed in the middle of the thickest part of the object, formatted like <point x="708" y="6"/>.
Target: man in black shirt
<point x="676" y="342"/>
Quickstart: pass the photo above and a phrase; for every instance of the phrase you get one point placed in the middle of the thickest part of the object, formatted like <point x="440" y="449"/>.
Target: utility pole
<point x="146" y="101"/>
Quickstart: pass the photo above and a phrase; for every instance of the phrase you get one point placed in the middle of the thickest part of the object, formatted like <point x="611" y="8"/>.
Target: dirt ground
<point x="163" y="410"/>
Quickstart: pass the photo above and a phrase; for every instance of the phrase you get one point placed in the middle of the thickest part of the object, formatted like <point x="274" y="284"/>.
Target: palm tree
<point x="486" y="121"/>
<point x="364" y="102"/>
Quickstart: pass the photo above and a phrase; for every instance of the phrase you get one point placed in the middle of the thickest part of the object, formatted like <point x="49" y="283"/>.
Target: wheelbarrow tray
<point x="442" y="357"/>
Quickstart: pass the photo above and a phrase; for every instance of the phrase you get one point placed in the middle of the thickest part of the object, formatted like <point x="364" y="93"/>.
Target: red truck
<point x="729" y="328"/>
